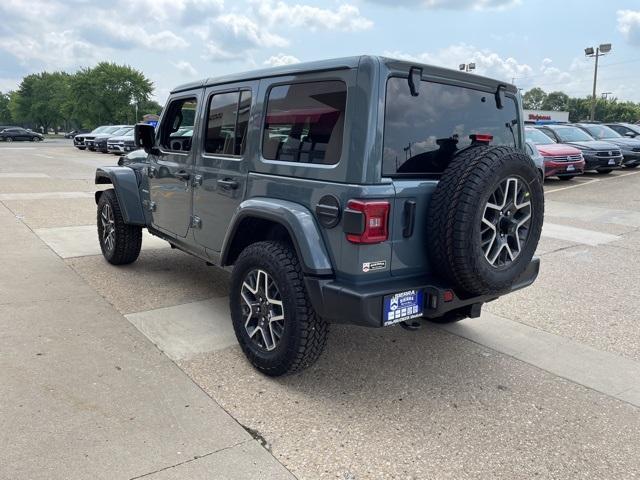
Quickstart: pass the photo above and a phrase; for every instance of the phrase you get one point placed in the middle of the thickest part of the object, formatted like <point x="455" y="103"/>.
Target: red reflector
<point x="376" y="220"/>
<point x="447" y="296"/>
<point x="481" y="137"/>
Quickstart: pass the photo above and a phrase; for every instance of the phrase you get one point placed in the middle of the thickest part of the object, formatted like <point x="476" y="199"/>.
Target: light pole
<point x="603" y="49"/>
<point x="467" y="67"/>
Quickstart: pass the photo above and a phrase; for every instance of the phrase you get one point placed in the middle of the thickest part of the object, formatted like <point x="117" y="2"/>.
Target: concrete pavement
<point x="85" y="395"/>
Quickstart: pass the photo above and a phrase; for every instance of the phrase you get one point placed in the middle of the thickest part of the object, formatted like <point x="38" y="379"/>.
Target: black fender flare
<point x="296" y="219"/>
<point x="125" y="184"/>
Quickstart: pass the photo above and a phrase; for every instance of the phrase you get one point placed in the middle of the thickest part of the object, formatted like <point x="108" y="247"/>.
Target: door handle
<point x="183" y="174"/>
<point x="228" y="184"/>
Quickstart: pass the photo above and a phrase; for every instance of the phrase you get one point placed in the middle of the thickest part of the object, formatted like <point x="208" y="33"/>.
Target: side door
<point x="221" y="168"/>
<point x="170" y="171"/>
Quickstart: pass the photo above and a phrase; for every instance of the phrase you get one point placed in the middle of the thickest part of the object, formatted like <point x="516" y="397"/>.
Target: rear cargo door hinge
<point x="196" y="222"/>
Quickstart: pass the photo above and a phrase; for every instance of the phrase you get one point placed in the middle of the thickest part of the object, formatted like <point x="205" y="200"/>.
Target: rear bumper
<point x="362" y="305"/>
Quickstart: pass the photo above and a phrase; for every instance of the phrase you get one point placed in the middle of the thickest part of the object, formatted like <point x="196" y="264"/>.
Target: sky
<point x="530" y="42"/>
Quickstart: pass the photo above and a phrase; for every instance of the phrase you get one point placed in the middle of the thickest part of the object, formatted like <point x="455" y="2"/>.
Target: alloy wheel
<point x="262" y="309"/>
<point x="506" y="222"/>
<point x="108" y="227"/>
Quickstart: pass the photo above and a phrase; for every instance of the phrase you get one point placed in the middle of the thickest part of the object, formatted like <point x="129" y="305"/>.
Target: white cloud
<point x="629" y="25"/>
<point x="244" y="32"/>
<point x="452" y="4"/>
<point x="186" y="68"/>
<point x="346" y="17"/>
<point x="281" y="59"/>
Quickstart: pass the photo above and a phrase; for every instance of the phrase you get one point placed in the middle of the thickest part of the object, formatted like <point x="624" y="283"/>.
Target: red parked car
<point x="560" y="160"/>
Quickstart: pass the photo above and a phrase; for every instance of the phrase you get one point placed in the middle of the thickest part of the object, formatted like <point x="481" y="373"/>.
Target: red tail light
<point x="481" y="138"/>
<point x="375" y="227"/>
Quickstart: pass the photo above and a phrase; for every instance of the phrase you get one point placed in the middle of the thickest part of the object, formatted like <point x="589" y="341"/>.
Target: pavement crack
<point x="196" y="457"/>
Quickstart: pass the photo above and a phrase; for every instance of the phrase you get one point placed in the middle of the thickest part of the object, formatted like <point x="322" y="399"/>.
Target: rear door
<point x="171" y="170"/>
<point x="221" y="167"/>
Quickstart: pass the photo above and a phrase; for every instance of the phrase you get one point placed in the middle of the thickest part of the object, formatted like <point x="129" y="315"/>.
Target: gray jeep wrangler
<point x="362" y="190"/>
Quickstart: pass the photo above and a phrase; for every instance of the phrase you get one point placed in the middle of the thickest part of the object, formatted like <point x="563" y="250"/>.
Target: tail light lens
<point x="375" y="225"/>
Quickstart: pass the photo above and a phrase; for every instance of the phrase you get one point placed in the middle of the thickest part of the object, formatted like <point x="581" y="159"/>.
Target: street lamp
<point x="603" y="49"/>
<point x="605" y="95"/>
<point x="467" y="67"/>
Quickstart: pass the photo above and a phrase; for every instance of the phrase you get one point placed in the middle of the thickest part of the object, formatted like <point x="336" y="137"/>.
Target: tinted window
<point x="305" y="122"/>
<point x="538" y="137"/>
<point x="177" y="125"/>
<point x="601" y="131"/>
<point x="227" y="122"/>
<point x="572" y="134"/>
<point x="421" y="134"/>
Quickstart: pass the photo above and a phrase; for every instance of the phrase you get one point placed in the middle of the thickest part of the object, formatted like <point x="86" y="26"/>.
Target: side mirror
<point x="145" y="137"/>
<point x="630" y="134"/>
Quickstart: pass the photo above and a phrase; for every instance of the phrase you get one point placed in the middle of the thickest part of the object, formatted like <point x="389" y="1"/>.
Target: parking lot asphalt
<point x="546" y="383"/>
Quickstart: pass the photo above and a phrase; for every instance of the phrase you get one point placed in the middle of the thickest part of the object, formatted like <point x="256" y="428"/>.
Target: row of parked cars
<point x="116" y="139"/>
<point x="567" y="150"/>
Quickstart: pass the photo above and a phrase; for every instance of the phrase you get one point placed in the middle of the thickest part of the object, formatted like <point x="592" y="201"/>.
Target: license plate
<point x="402" y="306"/>
<point x="612" y="161"/>
<point x="570" y="168"/>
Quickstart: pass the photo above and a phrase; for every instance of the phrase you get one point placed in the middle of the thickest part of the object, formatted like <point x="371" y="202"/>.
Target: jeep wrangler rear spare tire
<point x="272" y="316"/>
<point x="485" y="219"/>
<point x="120" y="242"/>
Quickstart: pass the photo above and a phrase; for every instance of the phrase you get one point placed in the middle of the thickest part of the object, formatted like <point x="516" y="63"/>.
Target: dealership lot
<point x="546" y="382"/>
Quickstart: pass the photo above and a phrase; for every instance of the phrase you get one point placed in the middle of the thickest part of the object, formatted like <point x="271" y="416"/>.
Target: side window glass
<point x="221" y="124"/>
<point x="176" y="131"/>
<point x="244" y="109"/>
<point x="305" y="122"/>
<point x="227" y="122"/>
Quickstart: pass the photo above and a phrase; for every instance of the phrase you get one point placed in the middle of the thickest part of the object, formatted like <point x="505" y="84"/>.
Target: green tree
<point x="5" y="113"/>
<point x="534" y="99"/>
<point x="108" y="93"/>
<point x="556" y="101"/>
<point x="40" y="100"/>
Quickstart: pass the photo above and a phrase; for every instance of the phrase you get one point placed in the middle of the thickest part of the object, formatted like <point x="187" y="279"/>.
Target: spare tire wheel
<point x="485" y="218"/>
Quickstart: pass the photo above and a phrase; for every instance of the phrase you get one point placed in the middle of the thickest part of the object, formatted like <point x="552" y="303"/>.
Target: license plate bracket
<point x="402" y="306"/>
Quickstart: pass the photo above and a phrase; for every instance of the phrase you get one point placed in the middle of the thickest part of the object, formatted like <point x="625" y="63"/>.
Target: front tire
<point x="120" y="242"/>
<point x="8" y="139"/>
<point x="274" y="321"/>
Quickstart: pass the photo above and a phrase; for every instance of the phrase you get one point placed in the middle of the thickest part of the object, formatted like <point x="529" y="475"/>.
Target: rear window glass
<point x="305" y="122"/>
<point x="423" y="133"/>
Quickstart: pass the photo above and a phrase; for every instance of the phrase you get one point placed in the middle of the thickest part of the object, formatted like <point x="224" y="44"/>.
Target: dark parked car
<point x="93" y="139"/>
<point x="603" y="157"/>
<point x="629" y="130"/>
<point x="630" y="147"/>
<point x="362" y="190"/>
<point x="15" y="134"/>
<point x="73" y="133"/>
<point x="100" y="140"/>
<point x="79" y="141"/>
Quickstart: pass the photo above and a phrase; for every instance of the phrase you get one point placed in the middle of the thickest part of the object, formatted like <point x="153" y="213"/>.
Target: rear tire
<point x="8" y="139"/>
<point x="120" y="242"/>
<point x="273" y="346"/>
<point x="477" y="241"/>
